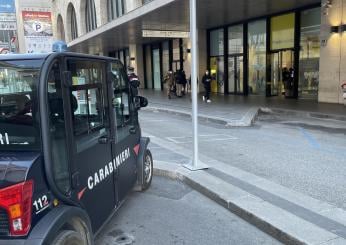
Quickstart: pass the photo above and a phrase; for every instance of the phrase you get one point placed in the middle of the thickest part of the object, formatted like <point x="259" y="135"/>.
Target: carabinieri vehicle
<point x="70" y="146"/>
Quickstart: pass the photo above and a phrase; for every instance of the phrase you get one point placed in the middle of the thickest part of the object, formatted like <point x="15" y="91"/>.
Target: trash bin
<point x="343" y="86"/>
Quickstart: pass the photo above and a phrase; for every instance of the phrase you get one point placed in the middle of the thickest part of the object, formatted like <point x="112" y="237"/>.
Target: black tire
<point x="68" y="237"/>
<point x="148" y="170"/>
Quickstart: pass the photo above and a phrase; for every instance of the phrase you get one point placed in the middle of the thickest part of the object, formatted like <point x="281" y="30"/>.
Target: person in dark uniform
<point x="286" y="80"/>
<point x="179" y="82"/>
<point x="206" y="80"/>
<point x="134" y="80"/>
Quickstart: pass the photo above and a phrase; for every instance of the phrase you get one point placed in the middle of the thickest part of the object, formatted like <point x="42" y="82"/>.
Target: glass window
<point x="60" y="28"/>
<point x="90" y="15"/>
<point x="112" y="9"/>
<point x="176" y="54"/>
<point x="57" y="129"/>
<point x="282" y="31"/>
<point x="257" y="57"/>
<point x="120" y="7"/>
<point x="19" y="119"/>
<point x="87" y="101"/>
<point x="217" y="71"/>
<point x="73" y="21"/>
<point x="235" y="39"/>
<point x="216" y="43"/>
<point x="309" y="53"/>
<point x="121" y="101"/>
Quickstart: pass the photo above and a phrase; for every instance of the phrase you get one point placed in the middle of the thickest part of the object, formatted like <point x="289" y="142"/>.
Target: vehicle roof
<point x="45" y="55"/>
<point x="24" y="56"/>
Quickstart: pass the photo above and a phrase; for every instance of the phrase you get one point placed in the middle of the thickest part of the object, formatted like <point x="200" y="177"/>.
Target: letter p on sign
<point x="37" y="27"/>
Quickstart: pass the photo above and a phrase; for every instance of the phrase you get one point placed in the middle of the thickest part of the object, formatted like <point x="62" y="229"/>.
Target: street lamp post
<point x="196" y="164"/>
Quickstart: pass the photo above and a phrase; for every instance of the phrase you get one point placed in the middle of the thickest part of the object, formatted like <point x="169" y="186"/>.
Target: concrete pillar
<point x="333" y="56"/>
<point x="202" y="63"/>
<point x="187" y="57"/>
<point x="136" y="54"/>
<point x="132" y="5"/>
<point x="101" y="12"/>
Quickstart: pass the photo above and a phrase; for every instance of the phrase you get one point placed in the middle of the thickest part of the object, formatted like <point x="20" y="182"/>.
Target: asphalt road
<point x="306" y="155"/>
<point x="171" y="213"/>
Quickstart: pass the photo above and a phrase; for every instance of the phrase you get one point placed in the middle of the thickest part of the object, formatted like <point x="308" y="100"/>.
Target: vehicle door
<point x="126" y="145"/>
<point x="93" y="167"/>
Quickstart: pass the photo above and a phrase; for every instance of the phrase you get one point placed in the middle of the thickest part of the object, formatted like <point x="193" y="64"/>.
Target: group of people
<point x="178" y="84"/>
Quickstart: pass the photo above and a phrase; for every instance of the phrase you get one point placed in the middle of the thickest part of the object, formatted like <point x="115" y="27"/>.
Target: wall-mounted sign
<point x="38" y="31"/>
<point x="7" y="6"/>
<point x="166" y="34"/>
<point x="8" y="21"/>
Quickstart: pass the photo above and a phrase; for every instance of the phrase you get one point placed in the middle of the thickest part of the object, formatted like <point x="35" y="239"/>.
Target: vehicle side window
<point x="57" y="129"/>
<point x="121" y="101"/>
<point x="87" y="101"/>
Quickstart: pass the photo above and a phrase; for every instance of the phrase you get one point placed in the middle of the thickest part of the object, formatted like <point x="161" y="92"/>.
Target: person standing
<point x="206" y="80"/>
<point x="179" y="82"/>
<point x="169" y="80"/>
<point x="286" y="80"/>
<point x="184" y="82"/>
<point x="133" y="80"/>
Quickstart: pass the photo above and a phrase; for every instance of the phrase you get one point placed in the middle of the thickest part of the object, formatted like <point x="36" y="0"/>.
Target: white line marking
<point x="202" y="138"/>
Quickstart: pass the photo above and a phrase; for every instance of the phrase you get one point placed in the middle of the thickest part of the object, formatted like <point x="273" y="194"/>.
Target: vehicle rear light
<point x="17" y="200"/>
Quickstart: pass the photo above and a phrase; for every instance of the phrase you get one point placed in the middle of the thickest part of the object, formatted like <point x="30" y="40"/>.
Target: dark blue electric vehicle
<point x="70" y="146"/>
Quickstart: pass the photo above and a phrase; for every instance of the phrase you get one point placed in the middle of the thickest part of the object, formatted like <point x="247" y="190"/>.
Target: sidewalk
<point x="242" y="111"/>
<point x="287" y="215"/>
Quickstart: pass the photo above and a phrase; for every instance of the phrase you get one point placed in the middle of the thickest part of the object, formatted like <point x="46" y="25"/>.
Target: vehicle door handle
<point x="132" y="130"/>
<point x="104" y="140"/>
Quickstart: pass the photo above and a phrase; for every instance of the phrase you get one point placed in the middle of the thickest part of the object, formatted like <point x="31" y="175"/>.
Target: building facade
<point x="288" y="49"/>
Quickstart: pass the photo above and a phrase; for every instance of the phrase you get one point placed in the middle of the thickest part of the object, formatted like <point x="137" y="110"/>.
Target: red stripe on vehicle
<point x="136" y="149"/>
<point x="81" y="193"/>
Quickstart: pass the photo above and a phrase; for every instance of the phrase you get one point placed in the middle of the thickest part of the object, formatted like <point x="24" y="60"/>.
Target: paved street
<point x="171" y="213"/>
<point x="307" y="156"/>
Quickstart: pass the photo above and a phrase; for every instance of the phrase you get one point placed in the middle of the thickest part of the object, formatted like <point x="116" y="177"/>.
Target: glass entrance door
<point x="235" y="75"/>
<point x="282" y="73"/>
<point x="157" y="69"/>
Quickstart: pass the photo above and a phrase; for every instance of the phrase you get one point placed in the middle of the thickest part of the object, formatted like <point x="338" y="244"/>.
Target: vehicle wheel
<point x="148" y="170"/>
<point x="67" y="237"/>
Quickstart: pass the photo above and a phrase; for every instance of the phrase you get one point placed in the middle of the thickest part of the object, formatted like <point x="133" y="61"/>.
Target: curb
<point x="247" y="120"/>
<point x="305" y="114"/>
<point x="285" y="234"/>
<point x="239" y="211"/>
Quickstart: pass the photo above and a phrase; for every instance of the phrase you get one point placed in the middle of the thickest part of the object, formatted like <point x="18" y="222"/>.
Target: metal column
<point x="196" y="164"/>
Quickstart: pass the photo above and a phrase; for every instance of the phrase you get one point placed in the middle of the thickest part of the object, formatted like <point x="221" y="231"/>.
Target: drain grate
<point x="118" y="237"/>
<point x="124" y="239"/>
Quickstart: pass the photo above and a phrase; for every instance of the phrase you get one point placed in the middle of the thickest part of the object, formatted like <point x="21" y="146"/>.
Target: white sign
<point x="7" y="17"/>
<point x="166" y="34"/>
<point x="8" y="22"/>
<point x="38" y="31"/>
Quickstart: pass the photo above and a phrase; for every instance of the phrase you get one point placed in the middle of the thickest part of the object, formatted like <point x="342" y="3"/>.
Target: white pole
<point x="196" y="164"/>
<point x="194" y="71"/>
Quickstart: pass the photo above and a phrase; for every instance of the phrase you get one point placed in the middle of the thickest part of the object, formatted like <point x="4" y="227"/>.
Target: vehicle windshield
<point x="19" y="120"/>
